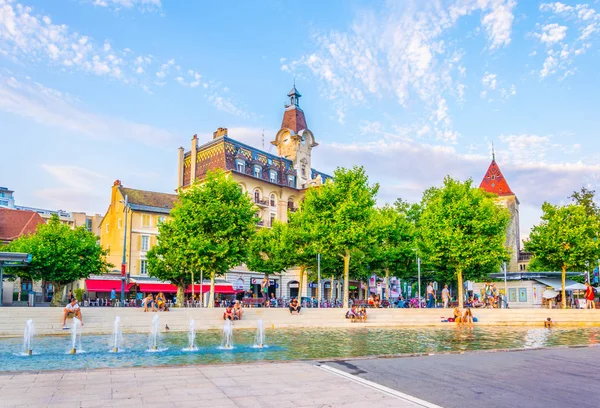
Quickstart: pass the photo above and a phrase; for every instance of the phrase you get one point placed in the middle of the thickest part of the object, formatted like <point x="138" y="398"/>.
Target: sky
<point x="97" y="90"/>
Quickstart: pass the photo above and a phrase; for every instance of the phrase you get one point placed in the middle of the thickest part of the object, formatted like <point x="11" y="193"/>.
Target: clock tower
<point x="294" y="141"/>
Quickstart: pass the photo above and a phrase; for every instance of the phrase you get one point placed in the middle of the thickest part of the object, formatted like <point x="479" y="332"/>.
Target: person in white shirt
<point x="72" y="310"/>
<point x="430" y="296"/>
<point x="445" y="296"/>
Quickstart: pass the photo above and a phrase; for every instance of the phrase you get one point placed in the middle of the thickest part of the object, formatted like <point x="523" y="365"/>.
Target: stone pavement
<point x="296" y="384"/>
<point x="546" y="378"/>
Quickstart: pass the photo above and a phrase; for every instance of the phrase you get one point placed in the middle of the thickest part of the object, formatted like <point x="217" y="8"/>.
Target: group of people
<point x="234" y="312"/>
<point x="357" y="314"/>
<point x="465" y="316"/>
<point x="159" y="304"/>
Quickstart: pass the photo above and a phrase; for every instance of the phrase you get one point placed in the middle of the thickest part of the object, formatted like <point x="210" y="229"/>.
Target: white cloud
<point x="73" y="176"/>
<point x="489" y="81"/>
<point x="227" y="105"/>
<point x="52" y="108"/>
<point x="143" y="5"/>
<point x="498" y="22"/>
<point x="552" y="33"/>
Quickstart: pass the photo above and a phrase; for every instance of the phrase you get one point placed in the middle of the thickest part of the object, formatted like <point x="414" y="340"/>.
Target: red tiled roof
<point x="293" y="118"/>
<point x="14" y="223"/>
<point x="494" y="182"/>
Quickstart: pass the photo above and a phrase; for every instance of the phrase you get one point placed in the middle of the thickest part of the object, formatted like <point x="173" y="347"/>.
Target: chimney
<point x="180" y="168"/>
<point x="194" y="153"/>
<point x="219" y="133"/>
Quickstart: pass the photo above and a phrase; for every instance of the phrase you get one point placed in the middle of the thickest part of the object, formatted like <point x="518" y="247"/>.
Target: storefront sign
<point x="294" y="285"/>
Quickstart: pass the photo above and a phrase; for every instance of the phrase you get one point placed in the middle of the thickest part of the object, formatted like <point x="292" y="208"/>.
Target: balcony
<point x="261" y="203"/>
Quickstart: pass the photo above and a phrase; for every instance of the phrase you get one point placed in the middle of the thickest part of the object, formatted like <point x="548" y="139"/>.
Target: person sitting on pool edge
<point x="295" y="306"/>
<point x="149" y="301"/>
<point x="228" y="313"/>
<point x="72" y="310"/>
<point x="237" y="310"/>
<point x="548" y="323"/>
<point x="352" y="314"/>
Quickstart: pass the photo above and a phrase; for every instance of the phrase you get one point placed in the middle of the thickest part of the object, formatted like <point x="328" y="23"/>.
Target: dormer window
<point x="272" y="176"/>
<point x="240" y="166"/>
<point x="257" y="172"/>
<point x="291" y="181"/>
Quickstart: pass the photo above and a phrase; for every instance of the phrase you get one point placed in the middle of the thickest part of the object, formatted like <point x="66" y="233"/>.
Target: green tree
<point x="168" y="260"/>
<point x="393" y="235"/>
<point x="463" y="230"/>
<point x="586" y="198"/>
<point x="268" y="250"/>
<point x="337" y="215"/>
<point x="214" y="221"/>
<point x="60" y="255"/>
<point x="565" y="239"/>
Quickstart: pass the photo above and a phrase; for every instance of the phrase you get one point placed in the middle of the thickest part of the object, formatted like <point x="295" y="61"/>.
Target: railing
<point x="263" y="203"/>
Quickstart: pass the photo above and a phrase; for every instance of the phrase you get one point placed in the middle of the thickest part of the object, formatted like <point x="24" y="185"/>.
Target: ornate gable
<point x="494" y="182"/>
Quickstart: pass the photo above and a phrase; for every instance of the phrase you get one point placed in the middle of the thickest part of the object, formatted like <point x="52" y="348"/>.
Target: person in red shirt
<point x="589" y="296"/>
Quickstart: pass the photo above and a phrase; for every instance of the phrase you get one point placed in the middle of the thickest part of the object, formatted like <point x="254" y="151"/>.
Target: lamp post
<point x="418" y="276"/>
<point x="318" y="281"/>
<point x="124" y="261"/>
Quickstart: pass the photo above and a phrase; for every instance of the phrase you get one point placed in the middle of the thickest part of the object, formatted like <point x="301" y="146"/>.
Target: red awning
<point x="104" y="285"/>
<point x="222" y="289"/>
<point x="157" y="287"/>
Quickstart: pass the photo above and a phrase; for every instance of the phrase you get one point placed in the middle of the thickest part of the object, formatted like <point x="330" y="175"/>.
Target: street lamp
<point x="124" y="261"/>
<point x="419" y="276"/>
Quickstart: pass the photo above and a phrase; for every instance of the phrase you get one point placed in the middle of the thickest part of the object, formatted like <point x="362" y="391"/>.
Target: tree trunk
<point x="461" y="289"/>
<point x="563" y="291"/>
<point x="346" y="277"/>
<point x="57" y="295"/>
<point x="211" y="294"/>
<point x="387" y="283"/>
<point x="180" y="295"/>
<point x="331" y="291"/>
<point x="301" y="283"/>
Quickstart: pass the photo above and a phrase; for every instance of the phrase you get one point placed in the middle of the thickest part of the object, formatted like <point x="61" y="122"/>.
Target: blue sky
<point x="97" y="90"/>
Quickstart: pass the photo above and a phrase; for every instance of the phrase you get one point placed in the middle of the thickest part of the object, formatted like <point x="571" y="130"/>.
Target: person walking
<point x="445" y="296"/>
<point x="430" y="296"/>
<point x="589" y="296"/>
<point x="264" y="286"/>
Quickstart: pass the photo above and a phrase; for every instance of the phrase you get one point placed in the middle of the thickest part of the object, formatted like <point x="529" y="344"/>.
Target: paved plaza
<point x="548" y="378"/>
<point x="297" y="384"/>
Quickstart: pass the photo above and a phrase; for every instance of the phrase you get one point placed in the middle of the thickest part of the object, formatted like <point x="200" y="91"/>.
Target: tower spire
<point x="493" y="152"/>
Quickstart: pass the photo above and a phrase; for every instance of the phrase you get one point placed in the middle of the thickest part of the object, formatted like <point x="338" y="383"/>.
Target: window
<point x="291" y="181"/>
<point x="272" y="201"/>
<point x="145" y="242"/>
<point x="4" y="203"/>
<point x="256" y="196"/>
<point x="119" y="223"/>
<point x="272" y="219"/>
<point x="240" y="166"/>
<point x="272" y="176"/>
<point x="107" y="228"/>
<point x="143" y="267"/>
<point x="257" y="172"/>
<point x="161" y="219"/>
<point x="88" y="224"/>
<point x="146" y="220"/>
<point x="303" y="170"/>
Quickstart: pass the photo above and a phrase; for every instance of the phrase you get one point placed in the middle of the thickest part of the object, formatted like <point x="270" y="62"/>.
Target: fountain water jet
<point x="117" y="336"/>
<point x="259" y="340"/>
<point x="227" y="341"/>
<point x="191" y="337"/>
<point x="154" y="333"/>
<point x="28" y="338"/>
<point x="75" y="336"/>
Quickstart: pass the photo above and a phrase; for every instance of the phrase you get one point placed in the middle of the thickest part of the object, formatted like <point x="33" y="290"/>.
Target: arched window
<point x="272" y="200"/>
<point x="256" y="196"/>
<point x="290" y="204"/>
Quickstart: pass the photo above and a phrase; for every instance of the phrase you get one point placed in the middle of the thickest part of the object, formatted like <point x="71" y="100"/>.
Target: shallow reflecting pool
<point x="52" y="352"/>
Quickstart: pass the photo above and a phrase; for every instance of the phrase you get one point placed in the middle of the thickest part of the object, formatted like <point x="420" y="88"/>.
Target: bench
<point x="249" y="302"/>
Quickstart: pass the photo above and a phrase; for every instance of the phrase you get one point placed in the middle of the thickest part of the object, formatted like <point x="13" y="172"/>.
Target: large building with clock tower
<point x="276" y="181"/>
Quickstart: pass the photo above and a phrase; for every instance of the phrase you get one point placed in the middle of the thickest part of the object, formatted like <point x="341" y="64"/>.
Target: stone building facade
<point x="275" y="182"/>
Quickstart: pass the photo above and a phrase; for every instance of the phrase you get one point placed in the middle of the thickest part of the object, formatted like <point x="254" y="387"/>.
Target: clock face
<point x="303" y="140"/>
<point x="286" y="140"/>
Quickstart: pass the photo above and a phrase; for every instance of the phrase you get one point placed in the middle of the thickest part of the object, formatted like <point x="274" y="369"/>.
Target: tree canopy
<point x="462" y="230"/>
<point x="60" y="255"/>
<point x="566" y="238"/>
<point x="214" y="221"/>
<point x="168" y="260"/>
<point x="337" y="215"/>
<point x="269" y="250"/>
